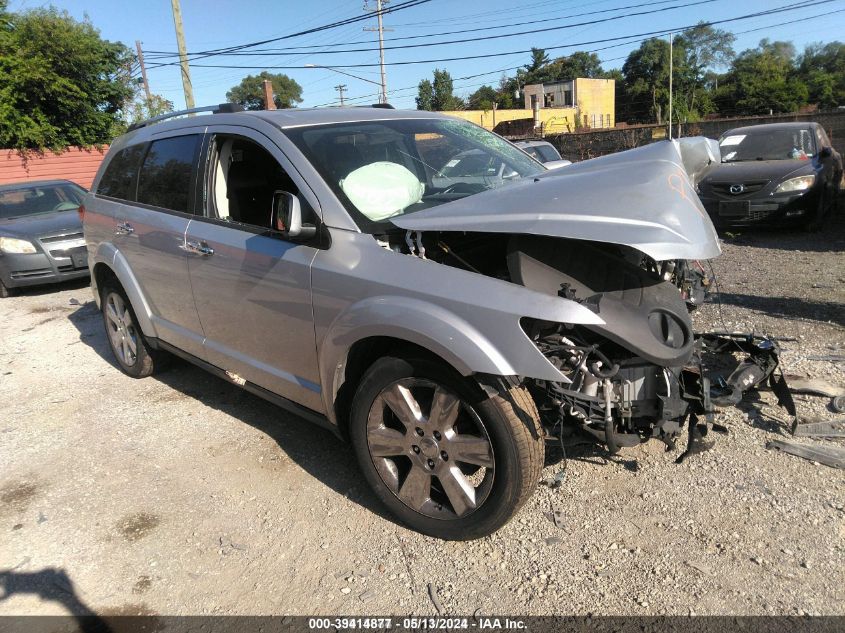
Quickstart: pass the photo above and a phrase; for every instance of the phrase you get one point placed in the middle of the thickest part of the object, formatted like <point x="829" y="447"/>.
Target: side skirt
<point x="283" y="403"/>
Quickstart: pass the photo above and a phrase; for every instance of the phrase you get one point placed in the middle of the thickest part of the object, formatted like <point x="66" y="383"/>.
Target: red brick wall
<point x="78" y="165"/>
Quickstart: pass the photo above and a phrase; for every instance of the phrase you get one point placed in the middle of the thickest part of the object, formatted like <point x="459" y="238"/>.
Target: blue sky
<point x="214" y="24"/>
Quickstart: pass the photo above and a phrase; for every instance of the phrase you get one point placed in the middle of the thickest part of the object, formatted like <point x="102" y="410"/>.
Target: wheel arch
<point x="111" y="265"/>
<point x="360" y="358"/>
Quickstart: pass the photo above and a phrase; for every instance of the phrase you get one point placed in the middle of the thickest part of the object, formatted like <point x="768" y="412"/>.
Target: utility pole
<point x="183" y="54"/>
<point x="671" y="55"/>
<point x="380" y="4"/>
<point x="340" y="89"/>
<point x="143" y="70"/>
<point x="269" y="102"/>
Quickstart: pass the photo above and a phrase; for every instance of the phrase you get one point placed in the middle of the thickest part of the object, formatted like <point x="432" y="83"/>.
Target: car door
<point x="150" y="234"/>
<point x="252" y="287"/>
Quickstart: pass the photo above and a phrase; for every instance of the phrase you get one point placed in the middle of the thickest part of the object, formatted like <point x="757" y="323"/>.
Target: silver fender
<point x="107" y="254"/>
<point x="442" y="332"/>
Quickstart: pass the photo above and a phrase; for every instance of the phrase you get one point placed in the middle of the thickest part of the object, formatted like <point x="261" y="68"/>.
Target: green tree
<point x="443" y="88"/>
<point x="822" y="66"/>
<point x="425" y="95"/>
<point x="482" y="99"/>
<point x="646" y="72"/>
<point x="506" y="93"/>
<point x="703" y="50"/>
<point x="437" y="95"/>
<point x="250" y="92"/>
<point x="579" y="64"/>
<point x="142" y="108"/>
<point x="761" y="80"/>
<point x="539" y="58"/>
<point x="696" y="53"/>
<point x="61" y="84"/>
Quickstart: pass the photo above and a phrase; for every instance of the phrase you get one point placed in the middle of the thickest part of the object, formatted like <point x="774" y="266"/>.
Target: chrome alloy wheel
<point x="430" y="448"/>
<point x="122" y="332"/>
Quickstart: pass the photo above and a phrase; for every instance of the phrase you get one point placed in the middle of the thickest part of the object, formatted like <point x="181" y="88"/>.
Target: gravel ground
<point x="182" y="494"/>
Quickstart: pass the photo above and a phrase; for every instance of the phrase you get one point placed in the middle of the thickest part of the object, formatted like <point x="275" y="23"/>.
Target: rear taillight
<point x="81" y="212"/>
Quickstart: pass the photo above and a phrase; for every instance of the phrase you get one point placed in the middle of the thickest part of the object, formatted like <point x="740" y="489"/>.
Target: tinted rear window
<point x="120" y="173"/>
<point x="165" y="178"/>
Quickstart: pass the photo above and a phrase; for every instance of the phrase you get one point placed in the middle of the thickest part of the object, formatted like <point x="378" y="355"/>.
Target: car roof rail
<point x="214" y="109"/>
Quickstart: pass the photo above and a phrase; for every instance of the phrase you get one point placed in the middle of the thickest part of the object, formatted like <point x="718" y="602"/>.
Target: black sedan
<point x="41" y="238"/>
<point x="773" y="175"/>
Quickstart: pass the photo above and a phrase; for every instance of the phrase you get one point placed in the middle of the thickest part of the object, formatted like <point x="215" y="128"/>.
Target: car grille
<point x="62" y="247"/>
<point x="29" y="274"/>
<point x="723" y="189"/>
<point x="61" y="238"/>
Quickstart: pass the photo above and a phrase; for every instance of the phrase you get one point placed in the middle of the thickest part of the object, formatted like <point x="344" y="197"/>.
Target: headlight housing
<point x="801" y="183"/>
<point x="14" y="245"/>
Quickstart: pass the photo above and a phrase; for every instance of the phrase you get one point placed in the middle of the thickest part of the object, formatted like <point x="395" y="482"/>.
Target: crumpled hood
<point x="642" y="198"/>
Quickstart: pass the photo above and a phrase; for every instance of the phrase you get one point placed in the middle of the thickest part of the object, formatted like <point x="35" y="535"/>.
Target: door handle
<point x="124" y="228"/>
<point x="200" y="248"/>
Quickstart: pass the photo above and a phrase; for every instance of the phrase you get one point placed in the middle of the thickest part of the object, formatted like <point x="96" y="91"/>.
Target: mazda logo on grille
<point x="737" y="189"/>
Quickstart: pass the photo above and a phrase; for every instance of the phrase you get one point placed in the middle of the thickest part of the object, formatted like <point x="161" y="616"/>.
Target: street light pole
<point x="671" y="55"/>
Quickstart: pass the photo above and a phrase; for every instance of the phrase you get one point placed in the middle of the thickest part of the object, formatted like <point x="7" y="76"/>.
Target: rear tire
<point x="134" y="355"/>
<point x="445" y="457"/>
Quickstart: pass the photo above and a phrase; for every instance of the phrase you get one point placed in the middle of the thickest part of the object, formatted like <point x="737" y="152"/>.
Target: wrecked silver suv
<point x="414" y="282"/>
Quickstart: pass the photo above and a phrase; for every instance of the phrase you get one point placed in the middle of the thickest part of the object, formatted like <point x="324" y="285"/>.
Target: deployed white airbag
<point x="383" y="189"/>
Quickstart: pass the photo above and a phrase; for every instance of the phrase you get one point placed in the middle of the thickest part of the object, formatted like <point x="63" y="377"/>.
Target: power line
<point x="407" y="4"/>
<point x="336" y="51"/>
<point x="603" y="61"/>
<point x="165" y="54"/>
<point x="783" y="9"/>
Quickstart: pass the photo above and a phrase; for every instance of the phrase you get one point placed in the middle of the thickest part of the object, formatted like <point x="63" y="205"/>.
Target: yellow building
<point x="551" y="120"/>
<point x="556" y="107"/>
<point x="595" y="99"/>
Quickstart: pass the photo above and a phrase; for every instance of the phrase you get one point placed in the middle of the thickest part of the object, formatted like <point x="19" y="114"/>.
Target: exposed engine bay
<point x="637" y="376"/>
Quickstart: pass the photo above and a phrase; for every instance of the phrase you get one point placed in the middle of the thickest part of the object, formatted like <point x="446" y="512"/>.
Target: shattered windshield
<point x="783" y="144"/>
<point x="383" y="169"/>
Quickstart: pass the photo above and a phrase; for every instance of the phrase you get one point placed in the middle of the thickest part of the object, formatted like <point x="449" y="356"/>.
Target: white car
<point x="545" y="152"/>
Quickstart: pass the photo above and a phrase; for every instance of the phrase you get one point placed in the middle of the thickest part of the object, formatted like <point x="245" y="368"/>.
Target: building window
<point x="608" y="121"/>
<point x="594" y="120"/>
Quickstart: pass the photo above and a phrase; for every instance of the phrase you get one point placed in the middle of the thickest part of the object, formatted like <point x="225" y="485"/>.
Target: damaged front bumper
<point x="624" y="403"/>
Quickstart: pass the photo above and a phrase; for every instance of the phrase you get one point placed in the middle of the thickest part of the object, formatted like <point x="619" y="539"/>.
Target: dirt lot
<point x="182" y="494"/>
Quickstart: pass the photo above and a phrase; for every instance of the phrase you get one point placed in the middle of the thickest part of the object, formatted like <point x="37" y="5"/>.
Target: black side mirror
<point x="826" y="152"/>
<point x="287" y="216"/>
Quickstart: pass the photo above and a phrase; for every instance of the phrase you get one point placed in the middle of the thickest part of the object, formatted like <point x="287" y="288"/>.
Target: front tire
<point x="6" y="292"/>
<point x="445" y="457"/>
<point x="132" y="352"/>
<point x="821" y="214"/>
